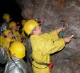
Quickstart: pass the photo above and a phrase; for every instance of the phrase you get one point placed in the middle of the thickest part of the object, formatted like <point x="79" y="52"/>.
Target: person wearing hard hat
<point x="1" y="39"/>
<point x="43" y="44"/>
<point x="13" y="26"/>
<point x="23" y="35"/>
<point x="16" y="64"/>
<point x="8" y="37"/>
<point x="6" y="20"/>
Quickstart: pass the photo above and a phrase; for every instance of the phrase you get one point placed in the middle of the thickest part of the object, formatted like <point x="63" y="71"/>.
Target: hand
<point x="68" y="39"/>
<point x="64" y="28"/>
<point x="60" y="29"/>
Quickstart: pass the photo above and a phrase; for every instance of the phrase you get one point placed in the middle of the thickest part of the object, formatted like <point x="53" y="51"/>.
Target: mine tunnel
<point x="54" y="14"/>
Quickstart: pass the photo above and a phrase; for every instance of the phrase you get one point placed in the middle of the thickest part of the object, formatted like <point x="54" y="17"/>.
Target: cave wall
<point x="54" y="13"/>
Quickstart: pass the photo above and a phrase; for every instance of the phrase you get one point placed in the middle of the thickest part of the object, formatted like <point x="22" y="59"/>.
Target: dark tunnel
<point x="11" y="7"/>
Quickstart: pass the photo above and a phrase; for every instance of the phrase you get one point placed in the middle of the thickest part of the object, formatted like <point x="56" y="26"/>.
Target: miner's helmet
<point x="11" y="24"/>
<point x="6" y="16"/>
<point x="29" y="26"/>
<point x="6" y="32"/>
<point x="17" y="49"/>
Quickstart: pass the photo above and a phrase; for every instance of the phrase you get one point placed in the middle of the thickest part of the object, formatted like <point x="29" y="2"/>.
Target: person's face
<point x="10" y="35"/>
<point x="37" y="30"/>
<point x="7" y="21"/>
<point x="14" y="28"/>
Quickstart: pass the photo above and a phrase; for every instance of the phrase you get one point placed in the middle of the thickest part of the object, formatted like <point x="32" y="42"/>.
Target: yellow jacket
<point x="16" y="35"/>
<point x="7" y="41"/>
<point x="6" y="44"/>
<point x="1" y="40"/>
<point x="44" y="45"/>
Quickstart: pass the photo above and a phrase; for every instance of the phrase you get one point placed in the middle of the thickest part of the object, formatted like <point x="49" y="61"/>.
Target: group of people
<point x="42" y="45"/>
<point x="12" y="48"/>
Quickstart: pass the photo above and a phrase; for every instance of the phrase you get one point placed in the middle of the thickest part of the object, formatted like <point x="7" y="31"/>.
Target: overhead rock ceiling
<point x="54" y="14"/>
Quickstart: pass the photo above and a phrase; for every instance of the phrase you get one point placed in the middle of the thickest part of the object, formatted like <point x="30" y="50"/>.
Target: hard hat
<point x="11" y="24"/>
<point x="6" y="32"/>
<point x="23" y="22"/>
<point x="29" y="26"/>
<point x="6" y="16"/>
<point x="17" y="49"/>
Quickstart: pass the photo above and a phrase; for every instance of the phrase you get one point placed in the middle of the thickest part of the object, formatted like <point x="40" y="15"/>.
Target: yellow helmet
<point x="11" y="24"/>
<point x="23" y="22"/>
<point x="6" y="16"/>
<point x="6" y="32"/>
<point x="29" y="26"/>
<point x="17" y="49"/>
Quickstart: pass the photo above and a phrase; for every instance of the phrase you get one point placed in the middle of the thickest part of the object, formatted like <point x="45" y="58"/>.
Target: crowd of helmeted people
<point x="13" y="45"/>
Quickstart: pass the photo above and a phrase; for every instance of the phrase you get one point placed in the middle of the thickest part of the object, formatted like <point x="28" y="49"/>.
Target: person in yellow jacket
<point x="1" y="40"/>
<point x="13" y="26"/>
<point x="43" y="44"/>
<point x="23" y="35"/>
<point x="8" y="39"/>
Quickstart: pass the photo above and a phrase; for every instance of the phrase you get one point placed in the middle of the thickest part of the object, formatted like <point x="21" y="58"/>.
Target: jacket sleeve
<point x="5" y="44"/>
<point x="4" y="26"/>
<point x="52" y="43"/>
<point x="46" y="46"/>
<point x="15" y="70"/>
<point x="54" y="35"/>
<point x="50" y="47"/>
<point x="55" y="46"/>
<point x="16" y="66"/>
<point x="3" y="56"/>
<point x="12" y="70"/>
<point x="51" y="35"/>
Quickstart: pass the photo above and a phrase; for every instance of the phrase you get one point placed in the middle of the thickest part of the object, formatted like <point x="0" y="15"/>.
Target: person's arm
<point x="53" y="35"/>
<point x="52" y="47"/>
<point x="12" y="70"/>
<point x="3" y="56"/>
